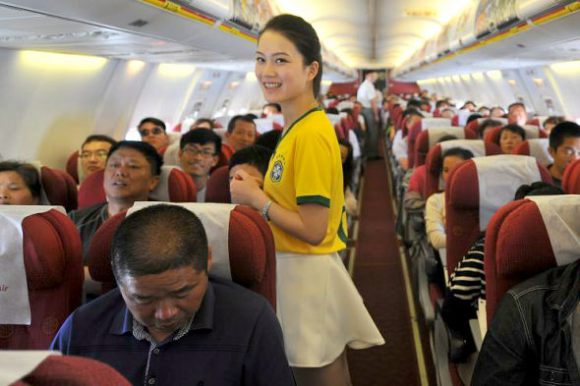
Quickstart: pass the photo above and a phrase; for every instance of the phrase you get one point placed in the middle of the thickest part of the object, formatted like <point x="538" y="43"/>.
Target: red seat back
<point x="463" y="203"/>
<point x="58" y="188"/>
<point x="434" y="160"/>
<point x="54" y="273"/>
<point x="416" y="129"/>
<point x="518" y="244"/>
<point x="251" y="251"/>
<point x="72" y="166"/>
<point x="91" y="191"/>
<point x="428" y="138"/>
<point x="218" y="186"/>
<point x="571" y="178"/>
<point x="72" y="371"/>
<point x="537" y="148"/>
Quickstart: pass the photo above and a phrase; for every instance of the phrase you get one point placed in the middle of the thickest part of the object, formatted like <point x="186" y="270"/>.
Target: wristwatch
<point x="265" y="209"/>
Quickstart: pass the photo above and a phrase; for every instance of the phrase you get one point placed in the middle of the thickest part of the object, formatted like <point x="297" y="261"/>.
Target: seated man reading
<point x="168" y="322"/>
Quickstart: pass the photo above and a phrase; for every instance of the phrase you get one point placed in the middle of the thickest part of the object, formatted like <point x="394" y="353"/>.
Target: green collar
<point x="317" y="108"/>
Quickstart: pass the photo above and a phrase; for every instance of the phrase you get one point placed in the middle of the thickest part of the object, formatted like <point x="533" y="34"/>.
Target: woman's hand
<point x="245" y="189"/>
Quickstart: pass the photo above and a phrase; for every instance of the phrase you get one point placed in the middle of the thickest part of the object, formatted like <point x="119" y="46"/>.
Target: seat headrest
<point x="571" y="178"/>
<point x="91" y="190"/>
<point x="218" y="186"/>
<point x="435" y="134"/>
<point x="537" y="148"/>
<point x="174" y="185"/>
<point x="476" y="146"/>
<point x="57" y="187"/>
<point x="430" y="123"/>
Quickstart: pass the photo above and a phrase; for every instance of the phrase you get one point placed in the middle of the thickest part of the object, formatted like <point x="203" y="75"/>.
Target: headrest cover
<point x="504" y="121"/>
<point x="161" y="191"/>
<point x="264" y="125"/>
<point x="14" y="302"/>
<point x="43" y="197"/>
<point x="539" y="150"/>
<point x="171" y="155"/>
<point x="437" y="133"/>
<point x="16" y="364"/>
<point x="215" y="219"/>
<point x="462" y="116"/>
<point x="476" y="146"/>
<point x="429" y="123"/>
<point x="561" y="215"/>
<point x="499" y="177"/>
<point x="333" y="118"/>
<point x="532" y="131"/>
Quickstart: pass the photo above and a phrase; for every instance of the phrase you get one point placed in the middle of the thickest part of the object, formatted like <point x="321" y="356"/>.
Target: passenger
<point x="534" y="337"/>
<point x="564" y="149"/>
<point x="447" y="113"/>
<point x="486" y="125"/>
<point x="269" y="139"/>
<point x="366" y="95"/>
<point x="94" y="152"/>
<point x="496" y="112"/>
<point x="467" y="283"/>
<point x="425" y="105"/>
<point x="19" y="184"/>
<point x="510" y="137"/>
<point x="346" y="156"/>
<point x="435" y="206"/>
<point x="318" y="305"/>
<point x="253" y="160"/>
<point x="152" y="131"/>
<point x="517" y="114"/>
<point x="551" y="122"/>
<point x="271" y="109"/>
<point x="202" y="123"/>
<point x="483" y="111"/>
<point x="473" y="117"/>
<point x="198" y="154"/>
<point x="469" y="105"/>
<point x="168" y="322"/>
<point x="400" y="145"/>
<point x="131" y="173"/>
<point x="241" y="132"/>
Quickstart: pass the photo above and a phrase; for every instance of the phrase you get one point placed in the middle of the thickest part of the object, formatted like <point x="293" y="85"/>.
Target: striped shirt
<point x="467" y="282"/>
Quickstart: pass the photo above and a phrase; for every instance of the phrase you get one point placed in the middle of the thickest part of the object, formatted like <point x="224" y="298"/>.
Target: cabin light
<point x="494" y="75"/>
<point x="175" y="70"/>
<point x="233" y="85"/>
<point x="539" y="82"/>
<point x="566" y="68"/>
<point x="243" y="111"/>
<point x="455" y="78"/>
<point x="465" y="77"/>
<point x="63" y="62"/>
<point x="251" y="77"/>
<point x="511" y="82"/>
<point x="134" y="66"/>
<point x="477" y="76"/>
<point x="206" y="84"/>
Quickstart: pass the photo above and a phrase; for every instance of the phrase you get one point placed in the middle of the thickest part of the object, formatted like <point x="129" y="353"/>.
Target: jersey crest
<point x="277" y="170"/>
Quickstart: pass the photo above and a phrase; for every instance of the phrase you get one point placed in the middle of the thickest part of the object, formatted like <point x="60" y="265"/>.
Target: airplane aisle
<point x="378" y="275"/>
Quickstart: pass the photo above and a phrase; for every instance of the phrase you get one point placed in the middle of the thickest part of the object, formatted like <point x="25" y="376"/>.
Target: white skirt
<point x="320" y="309"/>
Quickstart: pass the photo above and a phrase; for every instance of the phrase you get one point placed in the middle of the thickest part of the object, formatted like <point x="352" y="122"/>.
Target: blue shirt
<point x="234" y="339"/>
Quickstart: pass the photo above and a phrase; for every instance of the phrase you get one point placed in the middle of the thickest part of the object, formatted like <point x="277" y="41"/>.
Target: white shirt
<point x="435" y="220"/>
<point x="366" y="93"/>
<point x="400" y="146"/>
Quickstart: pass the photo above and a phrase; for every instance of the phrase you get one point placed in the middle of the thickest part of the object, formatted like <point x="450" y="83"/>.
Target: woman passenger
<point x="19" y="184"/>
<point x="319" y="308"/>
<point x="510" y="137"/>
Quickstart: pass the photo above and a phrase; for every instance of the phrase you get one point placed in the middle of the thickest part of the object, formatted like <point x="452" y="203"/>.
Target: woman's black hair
<point x="347" y="165"/>
<point x="538" y="188"/>
<point x="304" y="38"/>
<point x="27" y="172"/>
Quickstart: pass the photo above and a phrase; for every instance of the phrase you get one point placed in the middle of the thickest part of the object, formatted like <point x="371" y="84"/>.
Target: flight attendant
<point x="318" y="306"/>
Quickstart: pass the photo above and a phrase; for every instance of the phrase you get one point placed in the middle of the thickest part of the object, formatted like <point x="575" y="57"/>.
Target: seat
<point x="571" y="178"/>
<point x="527" y="237"/>
<point x="218" y="186"/>
<point x="429" y="138"/>
<point x="174" y="185"/>
<point x="58" y="188"/>
<point x="72" y="166"/>
<point x="416" y="129"/>
<point x="58" y="370"/>
<point x="53" y="264"/>
<point x="434" y="161"/>
<point x="252" y="259"/>
<point x="492" y="135"/>
<point x="537" y="148"/>
<point x="476" y="189"/>
<point x="474" y="124"/>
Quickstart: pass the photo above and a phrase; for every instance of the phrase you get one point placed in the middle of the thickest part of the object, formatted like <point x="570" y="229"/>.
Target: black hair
<point x="517" y="129"/>
<point x="255" y="155"/>
<point x="98" y="138"/>
<point x="468" y="103"/>
<point x="269" y="139"/>
<point x="201" y="137"/>
<point x="473" y="117"/>
<point x="155" y="121"/>
<point x="157" y="239"/>
<point x="447" y="137"/>
<point x="495" y="108"/>
<point x="347" y="165"/>
<point x="562" y="131"/>
<point x="441" y="102"/>
<point x="516" y="104"/>
<point x="462" y="153"/>
<point x="538" y="188"/>
<point x="274" y="105"/>
<point x="304" y="38"/>
<point x="243" y="118"/>
<point x="554" y="120"/>
<point x="252" y="116"/>
<point x="412" y="111"/>
<point x="27" y="172"/>
<point x="487" y="123"/>
<point x="332" y="110"/>
<point x="153" y="158"/>
<point x="414" y="103"/>
<point x="203" y="120"/>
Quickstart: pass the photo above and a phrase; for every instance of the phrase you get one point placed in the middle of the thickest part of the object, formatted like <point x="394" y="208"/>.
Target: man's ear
<point x="153" y="181"/>
<point x="209" y="258"/>
<point x="552" y="152"/>
<point x="214" y="160"/>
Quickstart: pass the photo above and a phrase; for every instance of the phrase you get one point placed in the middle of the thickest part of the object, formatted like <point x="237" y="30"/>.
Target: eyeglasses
<point x="154" y="131"/>
<point x="570" y="152"/>
<point x="194" y="151"/>
<point x="99" y="154"/>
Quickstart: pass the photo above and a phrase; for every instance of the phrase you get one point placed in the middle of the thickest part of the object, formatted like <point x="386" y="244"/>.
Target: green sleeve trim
<point x="320" y="200"/>
<point x="341" y="235"/>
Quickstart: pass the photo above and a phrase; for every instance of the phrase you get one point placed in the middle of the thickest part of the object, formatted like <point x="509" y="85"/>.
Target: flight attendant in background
<point x="318" y="306"/>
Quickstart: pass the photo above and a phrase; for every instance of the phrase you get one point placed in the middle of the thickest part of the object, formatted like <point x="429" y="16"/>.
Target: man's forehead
<point x="97" y="145"/>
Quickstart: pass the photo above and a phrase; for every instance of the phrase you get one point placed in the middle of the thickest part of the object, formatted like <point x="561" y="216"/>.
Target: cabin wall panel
<point x="564" y="79"/>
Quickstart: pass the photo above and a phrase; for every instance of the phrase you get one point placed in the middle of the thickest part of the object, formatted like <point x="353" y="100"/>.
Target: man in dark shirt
<point x="168" y="323"/>
<point x="131" y="173"/>
<point x="564" y="149"/>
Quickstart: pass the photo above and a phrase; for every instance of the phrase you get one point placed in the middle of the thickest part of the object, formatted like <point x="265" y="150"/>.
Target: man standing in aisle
<point x="366" y="95"/>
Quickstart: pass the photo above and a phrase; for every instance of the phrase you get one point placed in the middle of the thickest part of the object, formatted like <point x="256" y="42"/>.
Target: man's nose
<point x="166" y="310"/>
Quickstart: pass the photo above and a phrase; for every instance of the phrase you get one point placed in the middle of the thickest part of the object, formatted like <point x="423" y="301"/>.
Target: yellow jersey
<point x="306" y="168"/>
